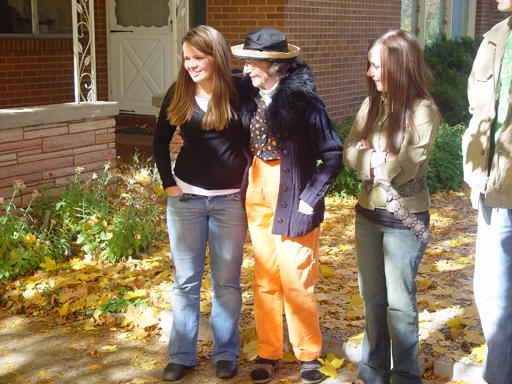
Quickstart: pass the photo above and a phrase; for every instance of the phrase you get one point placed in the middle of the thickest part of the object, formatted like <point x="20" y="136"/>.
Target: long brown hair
<point x="406" y="79"/>
<point x="220" y="111"/>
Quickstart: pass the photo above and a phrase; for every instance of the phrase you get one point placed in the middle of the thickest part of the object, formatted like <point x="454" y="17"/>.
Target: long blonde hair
<point x="220" y="111"/>
<point x="406" y="79"/>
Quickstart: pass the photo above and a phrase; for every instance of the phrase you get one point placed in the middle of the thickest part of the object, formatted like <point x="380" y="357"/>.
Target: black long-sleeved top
<point x="209" y="159"/>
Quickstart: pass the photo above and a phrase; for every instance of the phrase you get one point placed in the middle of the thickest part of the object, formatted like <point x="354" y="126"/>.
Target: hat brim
<point x="246" y="54"/>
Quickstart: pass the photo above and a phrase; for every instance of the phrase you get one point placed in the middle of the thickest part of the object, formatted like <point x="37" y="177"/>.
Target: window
<point x="43" y="18"/>
<point x="429" y="19"/>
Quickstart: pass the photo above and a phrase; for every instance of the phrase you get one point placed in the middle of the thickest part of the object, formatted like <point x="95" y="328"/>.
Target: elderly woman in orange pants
<point x="290" y="131"/>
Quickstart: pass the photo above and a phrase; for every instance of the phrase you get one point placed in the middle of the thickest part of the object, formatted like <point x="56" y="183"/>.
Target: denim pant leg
<point x="493" y="292"/>
<point x="227" y="230"/>
<point x="187" y="225"/>
<point x="388" y="261"/>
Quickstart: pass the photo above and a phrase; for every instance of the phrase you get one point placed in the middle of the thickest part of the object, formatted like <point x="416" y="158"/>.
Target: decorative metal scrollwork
<point x="180" y="30"/>
<point x="84" y="50"/>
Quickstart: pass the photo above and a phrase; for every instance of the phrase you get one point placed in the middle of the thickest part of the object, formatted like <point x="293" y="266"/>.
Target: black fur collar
<point x="293" y="94"/>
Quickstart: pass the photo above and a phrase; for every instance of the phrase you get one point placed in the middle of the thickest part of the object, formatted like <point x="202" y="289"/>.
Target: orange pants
<point x="285" y="269"/>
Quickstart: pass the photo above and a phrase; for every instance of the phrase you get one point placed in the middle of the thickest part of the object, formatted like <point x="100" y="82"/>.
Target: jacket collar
<point x="499" y="34"/>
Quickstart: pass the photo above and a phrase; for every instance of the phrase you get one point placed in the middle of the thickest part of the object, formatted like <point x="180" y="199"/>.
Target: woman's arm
<point x="416" y="147"/>
<point x="161" y="140"/>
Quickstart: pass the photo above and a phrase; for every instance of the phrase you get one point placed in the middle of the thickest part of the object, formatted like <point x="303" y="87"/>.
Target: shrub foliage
<point x="111" y="215"/>
<point x="451" y="61"/>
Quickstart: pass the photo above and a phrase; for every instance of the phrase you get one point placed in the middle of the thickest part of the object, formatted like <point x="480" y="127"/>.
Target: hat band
<point x="241" y="53"/>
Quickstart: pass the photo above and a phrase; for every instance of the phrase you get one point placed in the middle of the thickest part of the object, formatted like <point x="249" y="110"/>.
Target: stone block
<point x="91" y="148"/>
<point x="21" y="170"/>
<point x="69" y="141"/>
<point x="57" y="113"/>
<point x="33" y="177"/>
<point x="7" y="157"/>
<point x="91" y="125"/>
<point x="17" y="145"/>
<point x="44" y="156"/>
<point x="459" y="370"/>
<point x="105" y="138"/>
<point x="52" y="131"/>
<point x="6" y="163"/>
<point x="11" y="134"/>
<point x="90" y="157"/>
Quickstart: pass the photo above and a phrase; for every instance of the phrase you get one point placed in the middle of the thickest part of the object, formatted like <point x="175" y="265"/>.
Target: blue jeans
<point x="388" y="261"/>
<point x="193" y="221"/>
<point x="493" y="290"/>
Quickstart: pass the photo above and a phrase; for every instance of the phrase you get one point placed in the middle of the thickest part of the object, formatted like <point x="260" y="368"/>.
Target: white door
<point x="141" y="53"/>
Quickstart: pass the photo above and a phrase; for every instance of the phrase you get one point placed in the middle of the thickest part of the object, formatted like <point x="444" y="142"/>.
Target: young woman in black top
<point x="204" y="203"/>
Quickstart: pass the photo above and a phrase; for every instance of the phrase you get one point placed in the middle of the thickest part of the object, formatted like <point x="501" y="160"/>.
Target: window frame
<point x="34" y="9"/>
<point x="418" y="23"/>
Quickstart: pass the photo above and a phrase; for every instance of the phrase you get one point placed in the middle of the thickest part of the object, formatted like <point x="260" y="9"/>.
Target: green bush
<point x="451" y="61"/>
<point x="23" y="246"/>
<point x="346" y="184"/>
<point x="110" y="215"/>
<point x="445" y="165"/>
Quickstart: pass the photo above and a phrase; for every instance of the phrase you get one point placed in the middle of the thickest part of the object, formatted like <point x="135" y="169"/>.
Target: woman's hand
<point x="173" y="191"/>
<point x="305" y="208"/>
<point x="179" y="139"/>
<point x="378" y="159"/>
<point x="363" y="144"/>
<point x="176" y="139"/>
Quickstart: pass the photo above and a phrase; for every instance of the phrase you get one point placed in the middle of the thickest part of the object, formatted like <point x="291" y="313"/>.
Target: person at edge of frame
<point x="487" y="164"/>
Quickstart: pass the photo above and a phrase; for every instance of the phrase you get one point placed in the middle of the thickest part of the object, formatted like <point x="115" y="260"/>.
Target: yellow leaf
<point x="326" y="271"/>
<point x="355" y="340"/>
<point x="149" y="365"/>
<point x="94" y="366"/>
<point x="82" y="276"/>
<point x="329" y="371"/>
<point x="104" y="300"/>
<point x="288" y="357"/>
<point x="30" y="239"/>
<point x="250" y="350"/>
<point x="109" y="347"/>
<point x="425" y="282"/>
<point x="49" y="264"/>
<point x="456" y="322"/>
<point x="440" y="350"/>
<point x="138" y="293"/>
<point x="64" y="310"/>
<point x="89" y="328"/>
<point x="356" y="301"/>
<point x="478" y="352"/>
<point x="334" y="361"/>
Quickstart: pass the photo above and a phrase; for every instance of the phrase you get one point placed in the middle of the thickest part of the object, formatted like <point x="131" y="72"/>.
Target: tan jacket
<point x="412" y="160"/>
<point x="482" y="84"/>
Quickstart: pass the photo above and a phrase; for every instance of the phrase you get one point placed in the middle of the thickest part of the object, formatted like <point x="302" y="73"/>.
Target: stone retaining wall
<point x="43" y="146"/>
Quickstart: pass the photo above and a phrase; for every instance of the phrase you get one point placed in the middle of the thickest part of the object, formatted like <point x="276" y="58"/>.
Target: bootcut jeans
<point x="493" y="290"/>
<point x="193" y="222"/>
<point x="388" y="261"/>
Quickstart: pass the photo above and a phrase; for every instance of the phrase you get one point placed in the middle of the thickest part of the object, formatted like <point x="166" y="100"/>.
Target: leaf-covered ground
<point x="129" y="296"/>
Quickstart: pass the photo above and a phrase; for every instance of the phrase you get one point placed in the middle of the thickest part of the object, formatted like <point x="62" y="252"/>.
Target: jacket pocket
<point x="483" y="91"/>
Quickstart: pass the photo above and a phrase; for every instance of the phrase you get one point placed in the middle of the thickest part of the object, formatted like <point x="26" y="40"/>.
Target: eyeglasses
<point x="249" y="64"/>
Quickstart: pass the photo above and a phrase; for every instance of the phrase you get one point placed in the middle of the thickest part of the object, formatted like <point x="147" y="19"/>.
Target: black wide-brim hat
<point x="266" y="44"/>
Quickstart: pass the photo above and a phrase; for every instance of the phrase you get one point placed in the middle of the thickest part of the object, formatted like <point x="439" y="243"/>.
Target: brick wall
<point x="36" y="72"/>
<point x="40" y="71"/>
<point x="487" y="15"/>
<point x="333" y="36"/>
